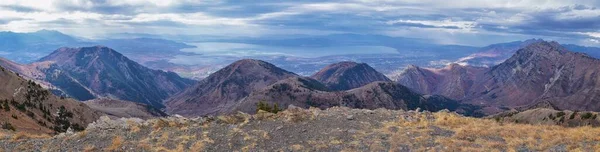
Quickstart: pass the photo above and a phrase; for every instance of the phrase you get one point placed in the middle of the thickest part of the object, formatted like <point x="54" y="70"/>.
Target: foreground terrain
<point x="296" y="129"/>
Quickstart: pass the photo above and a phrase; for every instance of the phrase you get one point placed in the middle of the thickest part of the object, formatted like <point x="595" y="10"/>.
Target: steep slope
<point x="543" y="71"/>
<point x="307" y="92"/>
<point x="225" y="87"/>
<point x="348" y="75"/>
<point x="124" y="109"/>
<point x="28" y="107"/>
<point x="89" y="72"/>
<point x="453" y="81"/>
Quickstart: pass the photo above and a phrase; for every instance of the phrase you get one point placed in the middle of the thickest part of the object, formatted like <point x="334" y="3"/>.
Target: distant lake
<point x="249" y="50"/>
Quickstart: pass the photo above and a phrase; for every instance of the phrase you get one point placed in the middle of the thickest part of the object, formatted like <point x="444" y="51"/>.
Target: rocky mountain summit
<point x="296" y="129"/>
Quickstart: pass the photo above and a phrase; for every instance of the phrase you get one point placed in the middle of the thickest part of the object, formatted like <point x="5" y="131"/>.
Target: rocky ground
<point x="335" y="129"/>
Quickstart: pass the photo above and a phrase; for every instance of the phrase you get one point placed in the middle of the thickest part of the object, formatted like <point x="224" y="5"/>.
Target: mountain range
<point x="538" y="73"/>
<point x="245" y="83"/>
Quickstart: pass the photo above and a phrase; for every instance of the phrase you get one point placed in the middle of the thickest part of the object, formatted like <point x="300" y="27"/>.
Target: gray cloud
<point x="438" y="20"/>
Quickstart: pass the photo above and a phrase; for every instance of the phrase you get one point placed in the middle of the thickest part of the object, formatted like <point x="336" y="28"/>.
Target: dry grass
<point x="89" y="148"/>
<point x="492" y="135"/>
<point x="25" y="136"/>
<point x="133" y="126"/>
<point x="297" y="147"/>
<point x="117" y="143"/>
<point x="473" y="134"/>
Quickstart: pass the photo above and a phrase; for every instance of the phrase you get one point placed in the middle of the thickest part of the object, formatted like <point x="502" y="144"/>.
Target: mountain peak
<point x="226" y="87"/>
<point x="546" y="46"/>
<point x="65" y="54"/>
<point x="348" y="75"/>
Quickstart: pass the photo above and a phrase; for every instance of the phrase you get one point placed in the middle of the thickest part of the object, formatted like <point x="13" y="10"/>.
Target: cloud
<point x="467" y="25"/>
<point x="471" y="22"/>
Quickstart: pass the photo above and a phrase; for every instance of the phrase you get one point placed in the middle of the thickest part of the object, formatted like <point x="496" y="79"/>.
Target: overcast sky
<point x="469" y="22"/>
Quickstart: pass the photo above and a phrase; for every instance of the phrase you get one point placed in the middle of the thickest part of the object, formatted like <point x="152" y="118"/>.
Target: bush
<point x="551" y="117"/>
<point x="266" y="107"/>
<point x="8" y="126"/>
<point x="573" y="115"/>
<point x="560" y="114"/>
<point x="62" y="120"/>
<point x="6" y="106"/>
<point x="587" y="115"/>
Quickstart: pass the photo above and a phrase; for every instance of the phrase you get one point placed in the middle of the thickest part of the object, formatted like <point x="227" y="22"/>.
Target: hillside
<point x="26" y="106"/>
<point x="124" y="109"/>
<point x="453" y="81"/>
<point x="334" y="129"/>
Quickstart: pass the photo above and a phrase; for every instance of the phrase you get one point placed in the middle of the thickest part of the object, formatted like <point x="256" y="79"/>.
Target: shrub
<point x="30" y="114"/>
<point x="6" y="106"/>
<point x="266" y="107"/>
<point x="8" y="126"/>
<point x="560" y="114"/>
<point x="573" y="115"/>
<point x="62" y="121"/>
<point x="587" y="115"/>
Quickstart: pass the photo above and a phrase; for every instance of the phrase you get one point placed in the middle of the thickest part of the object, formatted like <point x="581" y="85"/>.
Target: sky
<point x="465" y="22"/>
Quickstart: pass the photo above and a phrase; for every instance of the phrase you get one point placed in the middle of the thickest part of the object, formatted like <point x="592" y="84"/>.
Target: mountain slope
<point x="28" y="107"/>
<point x="543" y="71"/>
<point x="225" y="87"/>
<point x="124" y="109"/>
<point x="89" y="72"/>
<point x="453" y="81"/>
<point x="348" y="75"/>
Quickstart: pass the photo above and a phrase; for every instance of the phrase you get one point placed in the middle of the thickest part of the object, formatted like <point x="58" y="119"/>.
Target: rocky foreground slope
<point x="335" y="129"/>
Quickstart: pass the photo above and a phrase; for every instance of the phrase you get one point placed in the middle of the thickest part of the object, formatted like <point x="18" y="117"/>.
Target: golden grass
<point x="297" y="147"/>
<point x="133" y="126"/>
<point x="89" y="148"/>
<point x="24" y="136"/>
<point x="117" y="143"/>
<point x="487" y="133"/>
<point x="474" y="134"/>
